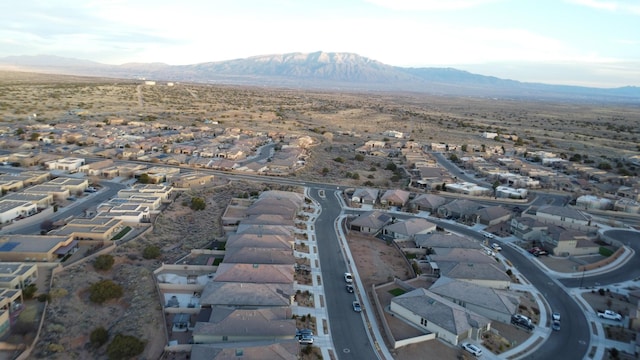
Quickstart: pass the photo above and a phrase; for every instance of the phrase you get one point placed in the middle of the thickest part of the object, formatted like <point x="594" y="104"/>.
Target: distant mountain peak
<point x="325" y="70"/>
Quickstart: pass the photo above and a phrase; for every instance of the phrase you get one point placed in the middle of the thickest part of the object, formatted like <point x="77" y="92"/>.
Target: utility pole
<point x="582" y="278"/>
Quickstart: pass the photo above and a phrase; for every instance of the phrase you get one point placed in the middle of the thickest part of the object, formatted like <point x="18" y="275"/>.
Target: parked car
<point x="300" y="333"/>
<point x="540" y="253"/>
<point x="555" y="326"/>
<point x="357" y="307"/>
<point x="306" y="339"/>
<point x="473" y="349"/>
<point x="555" y="316"/>
<point x="496" y="247"/>
<point x="348" y="278"/>
<point x="349" y="288"/>
<point x="522" y="321"/>
<point x="609" y="314"/>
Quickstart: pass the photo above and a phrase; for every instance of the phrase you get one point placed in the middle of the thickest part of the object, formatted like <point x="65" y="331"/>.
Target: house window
<point x="225" y="338"/>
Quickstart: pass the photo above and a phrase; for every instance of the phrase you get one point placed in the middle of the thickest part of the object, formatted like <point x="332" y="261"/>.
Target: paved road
<point x="347" y="327"/>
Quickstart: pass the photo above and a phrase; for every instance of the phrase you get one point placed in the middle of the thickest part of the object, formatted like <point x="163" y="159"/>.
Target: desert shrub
<point x="339" y="160"/>
<point x="151" y="252"/>
<point x="29" y="291"/>
<point x="58" y="293"/>
<point x="124" y="347"/>
<point x="197" y="203"/>
<point x="103" y="262"/>
<point x="44" y="297"/>
<point x="104" y="290"/>
<point x="99" y="336"/>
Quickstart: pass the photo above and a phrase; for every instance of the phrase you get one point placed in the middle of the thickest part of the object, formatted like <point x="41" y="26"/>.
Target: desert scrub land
<point x="340" y="122"/>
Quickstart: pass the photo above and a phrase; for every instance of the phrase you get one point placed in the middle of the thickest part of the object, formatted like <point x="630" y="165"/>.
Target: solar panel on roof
<point x="8" y="246"/>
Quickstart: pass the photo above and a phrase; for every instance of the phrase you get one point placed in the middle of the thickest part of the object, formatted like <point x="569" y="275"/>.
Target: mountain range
<point x="329" y="71"/>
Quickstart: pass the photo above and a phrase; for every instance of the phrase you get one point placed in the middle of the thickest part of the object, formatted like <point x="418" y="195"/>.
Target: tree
<point x="144" y="178"/>
<point x="104" y="290"/>
<point x="391" y="166"/>
<point x="124" y="347"/>
<point x="29" y="291"/>
<point x="604" y="166"/>
<point x="151" y="252"/>
<point x="359" y="157"/>
<point x="99" y="336"/>
<point x="198" y="203"/>
<point x="464" y="147"/>
<point x="34" y="136"/>
<point x="47" y="225"/>
<point x="339" y="160"/>
<point x="325" y="171"/>
<point x="103" y="262"/>
<point x="453" y="158"/>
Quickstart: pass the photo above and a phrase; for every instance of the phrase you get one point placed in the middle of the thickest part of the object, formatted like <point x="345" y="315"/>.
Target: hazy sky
<point x="580" y="42"/>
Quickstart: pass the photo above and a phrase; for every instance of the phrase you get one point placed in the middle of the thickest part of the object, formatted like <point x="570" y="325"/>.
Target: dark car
<point x="301" y="333"/>
<point x="350" y="288"/>
<point x="555" y="326"/>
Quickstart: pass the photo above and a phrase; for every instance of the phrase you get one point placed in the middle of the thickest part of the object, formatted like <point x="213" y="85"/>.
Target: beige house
<point x="17" y="275"/>
<point x="227" y="325"/>
<point x="435" y="314"/>
<point x="102" y="228"/>
<point x="17" y="248"/>
<point x="406" y="230"/>
<point x="287" y="350"/>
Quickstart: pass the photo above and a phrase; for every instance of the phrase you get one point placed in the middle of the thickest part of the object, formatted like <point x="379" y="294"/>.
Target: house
<point x="13" y="209"/>
<point x="395" y="197"/>
<point x="427" y="202"/>
<point x="435" y="314"/>
<point x="247" y="295"/>
<point x="102" y="228"/>
<point x="527" y="228"/>
<point x="488" y="274"/>
<point x="491" y="303"/>
<point x="468" y="188"/>
<point x="16" y="248"/>
<point x="70" y="164"/>
<point x="284" y="207"/>
<point x="266" y="240"/>
<point x="11" y="303"/>
<point x="285" y="350"/>
<point x="406" y="230"/>
<point x="561" y="241"/>
<point x="255" y="273"/>
<point x="492" y="215"/>
<point x="561" y="214"/>
<point x="459" y="209"/>
<point x="227" y="325"/>
<point x="365" y="196"/>
<point x="191" y="180"/>
<point x="256" y="255"/>
<point x="17" y="275"/>
<point x="370" y="222"/>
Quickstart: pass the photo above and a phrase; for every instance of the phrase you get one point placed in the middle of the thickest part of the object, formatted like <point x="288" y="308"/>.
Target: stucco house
<point x="407" y="229"/>
<point x="492" y="215"/>
<point x="395" y="197"/>
<point x="427" y="202"/>
<point x="370" y="222"/>
<point x="491" y="303"/>
<point x="435" y="314"/>
<point x="365" y="196"/>
<point x="228" y="325"/>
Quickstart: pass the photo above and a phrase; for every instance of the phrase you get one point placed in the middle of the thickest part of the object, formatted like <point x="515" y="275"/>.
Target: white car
<point x="473" y="349"/>
<point x="496" y="247"/>
<point x="348" y="278"/>
<point x="555" y="316"/>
